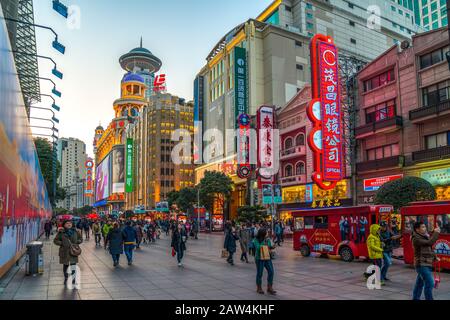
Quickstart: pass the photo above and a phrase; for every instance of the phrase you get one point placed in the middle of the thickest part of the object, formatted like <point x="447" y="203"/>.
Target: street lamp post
<point x="55" y="70"/>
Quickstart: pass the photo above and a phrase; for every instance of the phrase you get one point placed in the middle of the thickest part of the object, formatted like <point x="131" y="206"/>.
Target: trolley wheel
<point x="346" y="254"/>
<point x="305" y="251"/>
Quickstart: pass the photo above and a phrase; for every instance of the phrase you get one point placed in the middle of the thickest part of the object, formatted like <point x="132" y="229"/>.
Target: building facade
<point x="404" y="117"/>
<point x="296" y="162"/>
<point x="72" y="156"/>
<point x="155" y="172"/>
<point x="432" y="14"/>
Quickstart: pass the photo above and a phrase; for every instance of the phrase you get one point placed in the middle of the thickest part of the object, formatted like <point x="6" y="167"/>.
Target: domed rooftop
<point x="141" y="59"/>
<point x="99" y="128"/>
<point x="132" y="77"/>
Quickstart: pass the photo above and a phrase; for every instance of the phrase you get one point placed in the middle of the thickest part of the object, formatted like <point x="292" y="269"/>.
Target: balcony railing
<point x="374" y="165"/>
<point x="294" y="180"/>
<point x="365" y="130"/>
<point x="293" y="152"/>
<point x="429" y="111"/>
<point x="431" y="154"/>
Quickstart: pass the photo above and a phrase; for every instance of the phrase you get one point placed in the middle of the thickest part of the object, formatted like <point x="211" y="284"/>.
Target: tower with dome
<point x="135" y="88"/>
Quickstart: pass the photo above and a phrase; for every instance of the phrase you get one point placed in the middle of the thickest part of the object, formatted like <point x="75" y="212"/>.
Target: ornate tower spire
<point x="141" y="41"/>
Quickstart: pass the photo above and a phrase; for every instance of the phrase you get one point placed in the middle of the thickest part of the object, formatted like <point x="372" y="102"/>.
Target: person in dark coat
<point x="179" y="238"/>
<point x="130" y="237"/>
<point x="67" y="236"/>
<point x="115" y="241"/>
<point x="230" y="242"/>
<point x="48" y="229"/>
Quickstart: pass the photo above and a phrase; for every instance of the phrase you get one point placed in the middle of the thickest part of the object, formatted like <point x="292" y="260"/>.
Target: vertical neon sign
<point x="324" y="111"/>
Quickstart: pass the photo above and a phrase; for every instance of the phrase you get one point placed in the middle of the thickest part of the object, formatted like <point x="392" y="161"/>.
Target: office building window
<point x="383" y="111"/>
<point x="383" y="152"/>
<point x="298" y="44"/>
<point x="299" y="67"/>
<point x="380" y="80"/>
<point x="352" y="23"/>
<point x="438" y="140"/>
<point x="288" y="9"/>
<point x="350" y="5"/>
<point x="436" y="94"/>
<point x="353" y="41"/>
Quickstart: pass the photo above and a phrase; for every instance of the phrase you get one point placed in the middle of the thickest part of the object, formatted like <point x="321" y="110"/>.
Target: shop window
<point x="321" y="222"/>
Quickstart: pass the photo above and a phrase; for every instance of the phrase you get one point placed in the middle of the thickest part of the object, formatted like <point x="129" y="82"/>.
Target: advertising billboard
<point x="376" y="183"/>
<point x="102" y="180"/>
<point x="129" y="166"/>
<point x="24" y="201"/>
<point x="118" y="169"/>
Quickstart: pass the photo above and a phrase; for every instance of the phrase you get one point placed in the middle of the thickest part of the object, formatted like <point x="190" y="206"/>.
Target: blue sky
<point x="180" y="32"/>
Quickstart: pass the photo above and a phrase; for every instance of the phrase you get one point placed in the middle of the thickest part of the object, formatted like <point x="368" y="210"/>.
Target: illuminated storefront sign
<point x="243" y="154"/>
<point x="376" y="183"/>
<point x="89" y="189"/>
<point x="159" y="85"/>
<point x="129" y="167"/>
<point x="311" y="193"/>
<point x="267" y="161"/>
<point x="324" y="111"/>
<point x="440" y="177"/>
<point x="240" y="79"/>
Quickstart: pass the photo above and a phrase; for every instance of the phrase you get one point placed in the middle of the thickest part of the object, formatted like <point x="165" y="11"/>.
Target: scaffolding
<point x="23" y="39"/>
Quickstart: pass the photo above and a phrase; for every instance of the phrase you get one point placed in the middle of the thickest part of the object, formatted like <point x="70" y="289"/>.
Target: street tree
<point x="215" y="187"/>
<point x="44" y="151"/>
<point x="255" y="214"/>
<point x="402" y="192"/>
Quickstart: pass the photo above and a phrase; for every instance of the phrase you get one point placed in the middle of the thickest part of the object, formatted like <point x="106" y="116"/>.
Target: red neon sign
<point x="160" y="83"/>
<point x="326" y="137"/>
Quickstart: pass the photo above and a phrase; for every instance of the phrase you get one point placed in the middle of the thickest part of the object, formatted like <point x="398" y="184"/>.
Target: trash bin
<point x="35" y="259"/>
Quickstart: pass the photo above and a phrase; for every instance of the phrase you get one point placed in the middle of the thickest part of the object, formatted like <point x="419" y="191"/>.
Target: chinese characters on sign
<point x="266" y="140"/>
<point x="159" y="85"/>
<point x="376" y="183"/>
<point x="326" y="137"/>
<point x="331" y="113"/>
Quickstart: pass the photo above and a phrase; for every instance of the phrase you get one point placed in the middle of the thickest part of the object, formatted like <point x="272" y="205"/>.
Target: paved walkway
<point x="156" y="276"/>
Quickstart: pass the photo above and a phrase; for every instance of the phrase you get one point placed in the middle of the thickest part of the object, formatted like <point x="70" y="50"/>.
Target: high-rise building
<point x="155" y="173"/>
<point x="432" y="14"/>
<point x="72" y="156"/>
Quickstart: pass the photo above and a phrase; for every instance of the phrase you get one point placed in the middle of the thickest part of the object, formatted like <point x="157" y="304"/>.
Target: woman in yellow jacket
<point x="374" y="246"/>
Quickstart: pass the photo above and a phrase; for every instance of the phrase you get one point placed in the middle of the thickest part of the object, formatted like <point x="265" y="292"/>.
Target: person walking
<point x="48" y="227"/>
<point x="86" y="228"/>
<point x="230" y="242"/>
<point x="374" y="247"/>
<point x="178" y="244"/>
<point x="195" y="230"/>
<point x="387" y="238"/>
<point x="68" y="240"/>
<point x="129" y="241"/>
<point x="263" y="261"/>
<point x="244" y="241"/>
<point x="278" y="233"/>
<point x="139" y="234"/>
<point x="424" y="258"/>
<point x="96" y="230"/>
<point x="105" y="230"/>
<point x="114" y="240"/>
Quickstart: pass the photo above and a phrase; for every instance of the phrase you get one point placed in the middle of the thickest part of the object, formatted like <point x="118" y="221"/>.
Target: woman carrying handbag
<point x="68" y="239"/>
<point x="263" y="260"/>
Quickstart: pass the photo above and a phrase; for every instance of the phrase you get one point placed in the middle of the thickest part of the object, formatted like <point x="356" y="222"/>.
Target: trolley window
<point x="443" y="222"/>
<point x="321" y="222"/>
<point x="299" y="223"/>
<point x="411" y="220"/>
<point x="309" y="223"/>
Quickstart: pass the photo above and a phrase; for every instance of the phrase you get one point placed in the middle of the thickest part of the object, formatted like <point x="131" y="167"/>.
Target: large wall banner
<point x="24" y="202"/>
<point x="102" y="180"/>
<point x="118" y="169"/>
